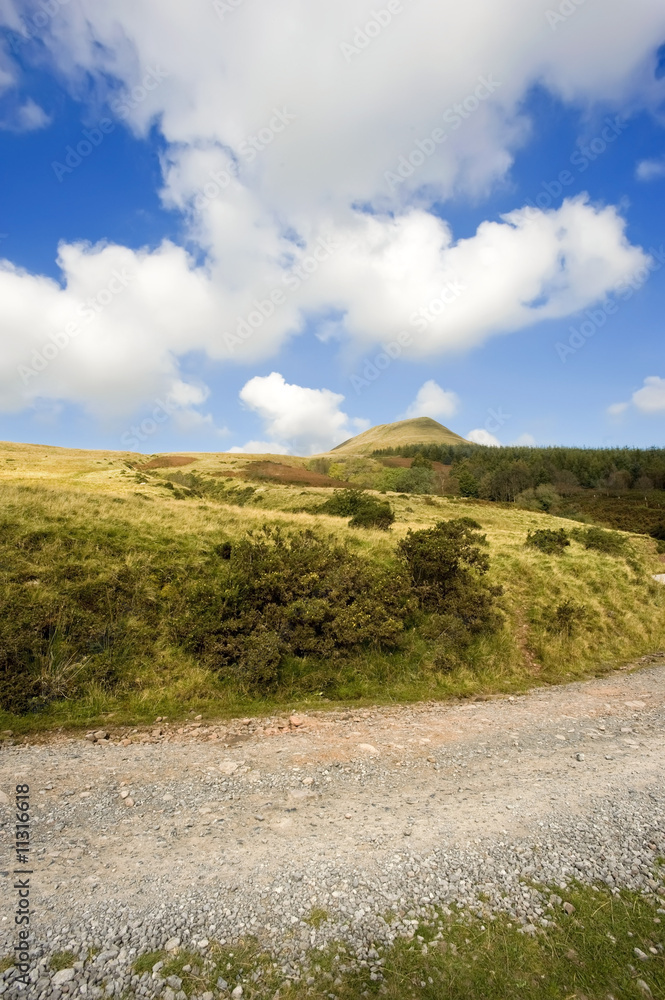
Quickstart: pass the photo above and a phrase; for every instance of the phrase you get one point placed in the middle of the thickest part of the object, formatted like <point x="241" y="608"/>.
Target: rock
<point x="228" y="767"/>
<point x="295" y="720"/>
<point x="368" y="748"/>
<point x="222" y="984"/>
<point x="172" y="944"/>
<point x="101" y="734"/>
<point x="635" y="704"/>
<point x="4" y="799"/>
<point x="237" y="992"/>
<point x="128" y="802"/>
<point x="91" y="737"/>
<point x="568" y="908"/>
<point x="659" y="578"/>
<point x="203" y="943"/>
<point x="63" y="976"/>
<point x="175" y="982"/>
<point x="579" y="756"/>
<point x="640" y="954"/>
<point x="208" y="995"/>
<point x="124" y="793"/>
<point x="644" y="988"/>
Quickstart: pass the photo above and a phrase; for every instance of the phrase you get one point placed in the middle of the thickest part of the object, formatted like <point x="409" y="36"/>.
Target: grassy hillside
<point x="420" y="430"/>
<point x="124" y="559"/>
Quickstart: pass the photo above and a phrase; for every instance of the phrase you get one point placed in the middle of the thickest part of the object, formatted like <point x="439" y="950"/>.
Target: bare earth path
<point x="217" y="831"/>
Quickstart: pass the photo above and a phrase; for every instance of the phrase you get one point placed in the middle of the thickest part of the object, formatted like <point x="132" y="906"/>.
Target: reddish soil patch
<point x="276" y="472"/>
<point x="167" y="462"/>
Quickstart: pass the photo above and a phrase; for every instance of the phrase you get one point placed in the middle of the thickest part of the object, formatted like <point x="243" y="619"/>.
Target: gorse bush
<point x="565" y="618"/>
<point x="364" y="510"/>
<point x="447" y="565"/>
<point x="548" y="541"/>
<point x="600" y="540"/>
<point x="288" y="593"/>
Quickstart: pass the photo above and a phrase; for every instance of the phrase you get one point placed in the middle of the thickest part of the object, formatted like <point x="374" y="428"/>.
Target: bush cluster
<point x="90" y="599"/>
<point x="447" y="565"/>
<point x="549" y="541"/>
<point x="364" y="510"/>
<point x="600" y="540"/>
<point x="288" y="593"/>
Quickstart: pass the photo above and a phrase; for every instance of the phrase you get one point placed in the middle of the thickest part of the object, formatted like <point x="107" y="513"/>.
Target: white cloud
<point x="303" y="420"/>
<point x="260" y="448"/>
<point x="433" y="401"/>
<point x="26" y="117"/>
<point x="525" y="440"/>
<point x="649" y="399"/>
<point x="650" y="170"/>
<point x="481" y="436"/>
<point x="265" y="101"/>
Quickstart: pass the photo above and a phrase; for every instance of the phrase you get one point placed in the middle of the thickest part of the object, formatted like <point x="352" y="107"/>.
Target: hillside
<point x="420" y="430"/>
<point x="114" y="576"/>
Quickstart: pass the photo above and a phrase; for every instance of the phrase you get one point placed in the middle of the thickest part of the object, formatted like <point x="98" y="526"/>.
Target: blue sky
<point x="552" y="334"/>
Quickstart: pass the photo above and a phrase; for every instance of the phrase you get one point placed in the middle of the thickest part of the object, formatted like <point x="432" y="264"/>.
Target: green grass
<point x="145" y="962"/>
<point x="6" y="963"/>
<point x="62" y="960"/>
<point x="317" y="917"/>
<point x="589" y="954"/>
<point x="73" y="522"/>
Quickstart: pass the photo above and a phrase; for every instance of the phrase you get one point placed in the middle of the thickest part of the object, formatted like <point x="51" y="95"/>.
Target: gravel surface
<point x="181" y="835"/>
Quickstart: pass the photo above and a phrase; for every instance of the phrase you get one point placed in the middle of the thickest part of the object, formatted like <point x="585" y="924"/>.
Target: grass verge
<point x="609" y="946"/>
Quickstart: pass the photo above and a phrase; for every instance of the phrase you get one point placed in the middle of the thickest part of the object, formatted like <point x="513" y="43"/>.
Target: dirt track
<point x="383" y="804"/>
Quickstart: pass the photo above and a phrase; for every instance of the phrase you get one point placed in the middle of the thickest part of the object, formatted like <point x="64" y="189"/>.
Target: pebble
<point x="613" y="840"/>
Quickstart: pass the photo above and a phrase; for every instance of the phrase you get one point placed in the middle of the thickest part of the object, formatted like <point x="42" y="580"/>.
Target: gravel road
<point x="181" y="835"/>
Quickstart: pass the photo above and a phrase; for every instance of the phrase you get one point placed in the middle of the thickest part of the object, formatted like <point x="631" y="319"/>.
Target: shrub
<point x="546" y="540"/>
<point x="364" y="510"/>
<point x="296" y="593"/>
<point x="658" y="531"/>
<point x="446" y="567"/>
<point x="609" y="542"/>
<point x="565" y="617"/>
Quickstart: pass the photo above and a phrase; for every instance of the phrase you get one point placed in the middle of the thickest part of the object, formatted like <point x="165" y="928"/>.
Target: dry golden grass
<point x="624" y="606"/>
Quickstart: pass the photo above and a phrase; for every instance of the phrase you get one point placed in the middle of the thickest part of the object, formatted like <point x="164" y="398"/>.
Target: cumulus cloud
<point x="433" y="401"/>
<point x="260" y="448"/>
<point x="302" y="420"/>
<point x="26" y="117"/>
<point x="266" y="152"/>
<point x="481" y="436"/>
<point x="650" y="170"/>
<point x="649" y="399"/>
<point x="525" y="440"/>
